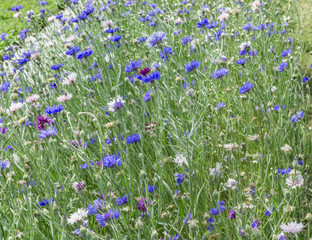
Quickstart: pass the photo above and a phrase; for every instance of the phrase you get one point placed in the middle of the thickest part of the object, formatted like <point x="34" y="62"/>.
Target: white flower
<point x="70" y="79"/>
<point x="230" y="146"/>
<point x="294" y="181"/>
<point x="77" y="217"/>
<point x="215" y="171"/>
<point x="32" y="98"/>
<point x="255" y="5"/>
<point x="16" y="158"/>
<point x="52" y="18"/>
<point x="231" y="183"/>
<point x="17" y="15"/>
<point x="70" y="38"/>
<point x="107" y="24"/>
<point x="180" y="159"/>
<point x="273" y="89"/>
<point x="253" y="137"/>
<point x="292" y="227"/>
<point x="16" y="106"/>
<point x="178" y="21"/>
<point x="64" y="98"/>
<point x="248" y="205"/>
<point x="78" y="186"/>
<point x="286" y="148"/>
<point x="224" y="16"/>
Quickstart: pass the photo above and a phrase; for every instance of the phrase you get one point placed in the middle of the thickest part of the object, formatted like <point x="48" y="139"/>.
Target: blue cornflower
<point x="282" y="66"/>
<point x="150" y="188"/>
<point x="91" y="210"/>
<point x="165" y="53"/>
<point x="269" y="212"/>
<point x="155" y="66"/>
<point x="110" y="215"/>
<point x="283" y="171"/>
<point x="221" y="105"/>
<point x="202" y="23"/>
<point x="186" y="40"/>
<point x="111" y="161"/>
<point x="305" y="79"/>
<point x="241" y="61"/>
<point x="218" y="35"/>
<point x="297" y="116"/>
<point x="116" y="38"/>
<point x="4" y="164"/>
<point x="219" y="209"/>
<point x="180" y="178"/>
<point x="122" y="200"/>
<point x="133" y="139"/>
<point x="54" y="109"/>
<point x="47" y="133"/>
<point x="246" y="88"/>
<point x="84" y="166"/>
<point x="72" y="51"/>
<point x="152" y="77"/>
<point x="279" y="107"/>
<point x="147" y="96"/>
<point x="177" y="32"/>
<point x="43" y="3"/>
<point x="211" y="222"/>
<point x="6" y="57"/>
<point x="16" y="8"/>
<point x="57" y="66"/>
<point x="192" y="66"/>
<point x="255" y="224"/>
<point x="22" y="33"/>
<point x="243" y="52"/>
<point x="84" y="54"/>
<point x="247" y="27"/>
<point x="3" y="36"/>
<point x="220" y="73"/>
<point x="45" y="202"/>
<point x="156" y="39"/>
<point x="286" y="53"/>
<point x="134" y="65"/>
<point x="142" y="39"/>
<point x="4" y="87"/>
<point x="86" y="12"/>
<point x="253" y="53"/>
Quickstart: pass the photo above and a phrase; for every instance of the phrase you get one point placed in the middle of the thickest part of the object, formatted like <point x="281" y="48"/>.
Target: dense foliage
<point x="156" y="120"/>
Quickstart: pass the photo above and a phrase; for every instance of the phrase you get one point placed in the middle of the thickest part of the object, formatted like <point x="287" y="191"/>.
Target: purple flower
<point x="232" y="214"/>
<point x="43" y="121"/>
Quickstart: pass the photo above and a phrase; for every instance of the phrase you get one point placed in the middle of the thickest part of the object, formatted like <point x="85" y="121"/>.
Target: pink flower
<point x="32" y="98"/>
<point x="16" y="106"/>
<point x="64" y="98"/>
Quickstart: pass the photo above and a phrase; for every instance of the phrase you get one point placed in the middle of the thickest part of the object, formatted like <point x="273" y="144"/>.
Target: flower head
<point x="292" y="227"/>
<point x="156" y="39"/>
<point x="116" y="104"/>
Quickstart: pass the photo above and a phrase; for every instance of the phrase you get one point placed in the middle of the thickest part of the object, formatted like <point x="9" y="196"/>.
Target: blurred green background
<point x="12" y="26"/>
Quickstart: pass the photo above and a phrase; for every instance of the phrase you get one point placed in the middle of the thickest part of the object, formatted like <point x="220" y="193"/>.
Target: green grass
<point x="12" y="26"/>
<point x="304" y="11"/>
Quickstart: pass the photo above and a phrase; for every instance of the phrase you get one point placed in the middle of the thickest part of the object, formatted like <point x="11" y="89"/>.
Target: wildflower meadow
<point x="156" y="120"/>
